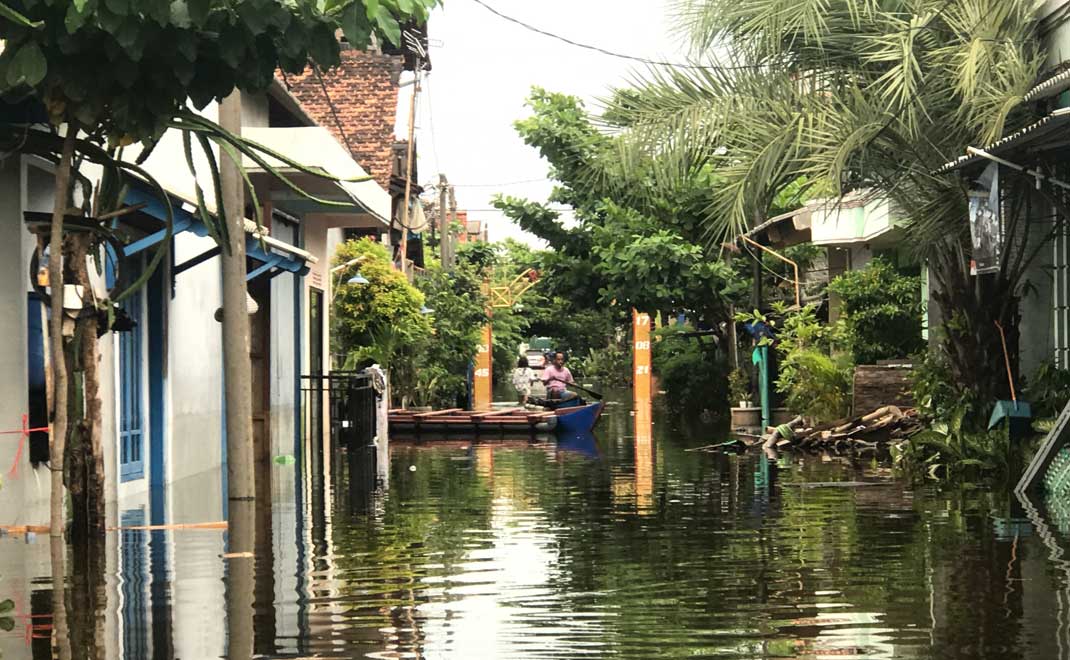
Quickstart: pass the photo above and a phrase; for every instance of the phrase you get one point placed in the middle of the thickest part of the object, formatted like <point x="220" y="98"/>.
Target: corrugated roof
<point x="1057" y="84"/>
<point x="1036" y="131"/>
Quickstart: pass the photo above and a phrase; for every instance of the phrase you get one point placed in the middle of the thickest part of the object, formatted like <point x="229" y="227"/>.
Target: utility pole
<point x="443" y="222"/>
<point x="453" y="220"/>
<point x="408" y="170"/>
<point x="237" y="374"/>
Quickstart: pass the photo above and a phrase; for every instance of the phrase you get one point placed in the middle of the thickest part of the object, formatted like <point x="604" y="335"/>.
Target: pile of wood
<point x="867" y="432"/>
<point x="885" y="424"/>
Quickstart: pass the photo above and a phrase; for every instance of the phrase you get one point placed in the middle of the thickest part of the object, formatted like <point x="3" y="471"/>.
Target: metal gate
<point x="344" y="404"/>
<point x="350" y="398"/>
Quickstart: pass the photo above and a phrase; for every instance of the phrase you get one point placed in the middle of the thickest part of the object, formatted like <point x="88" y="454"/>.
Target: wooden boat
<point x="509" y="421"/>
<point x="577" y="417"/>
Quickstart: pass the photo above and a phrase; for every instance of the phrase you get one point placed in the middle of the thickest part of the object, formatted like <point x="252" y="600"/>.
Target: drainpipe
<point x="795" y="266"/>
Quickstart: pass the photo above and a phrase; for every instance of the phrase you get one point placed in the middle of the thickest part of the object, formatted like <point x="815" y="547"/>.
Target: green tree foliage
<point x="126" y="67"/>
<point x="386" y="303"/>
<point x="882" y="311"/>
<point x="378" y="322"/>
<point x="458" y="314"/>
<point x="481" y="256"/>
<point x="626" y="246"/>
<point x="424" y="334"/>
<point x="867" y="95"/>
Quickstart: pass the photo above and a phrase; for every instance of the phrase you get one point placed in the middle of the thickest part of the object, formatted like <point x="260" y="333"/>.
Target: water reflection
<point x="622" y="544"/>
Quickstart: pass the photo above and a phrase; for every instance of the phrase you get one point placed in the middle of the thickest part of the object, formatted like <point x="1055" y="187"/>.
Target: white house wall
<point x="13" y="360"/>
<point x="196" y="361"/>
<point x="283" y="362"/>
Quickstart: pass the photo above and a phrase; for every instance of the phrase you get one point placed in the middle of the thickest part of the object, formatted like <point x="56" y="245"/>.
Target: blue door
<point x="131" y="394"/>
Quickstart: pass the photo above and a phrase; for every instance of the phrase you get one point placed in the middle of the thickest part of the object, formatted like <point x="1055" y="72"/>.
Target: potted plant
<point x="745" y="417"/>
<point x="739" y="387"/>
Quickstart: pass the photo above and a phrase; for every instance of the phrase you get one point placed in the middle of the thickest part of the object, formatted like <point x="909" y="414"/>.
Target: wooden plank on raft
<point x="436" y="413"/>
<point x="494" y="413"/>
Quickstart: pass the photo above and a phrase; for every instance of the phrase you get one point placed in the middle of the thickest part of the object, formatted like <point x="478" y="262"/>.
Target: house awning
<point x="272" y="255"/>
<point x="783" y="230"/>
<point x="316" y="148"/>
<point x="1036" y="141"/>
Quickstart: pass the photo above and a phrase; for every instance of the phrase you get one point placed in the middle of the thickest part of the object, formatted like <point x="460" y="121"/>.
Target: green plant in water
<point x="949" y="450"/>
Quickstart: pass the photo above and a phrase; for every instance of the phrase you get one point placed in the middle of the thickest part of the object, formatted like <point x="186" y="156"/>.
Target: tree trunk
<point x="61" y="641"/>
<point x="85" y="460"/>
<point x="241" y="492"/>
<point x="970" y="306"/>
<point x="55" y="333"/>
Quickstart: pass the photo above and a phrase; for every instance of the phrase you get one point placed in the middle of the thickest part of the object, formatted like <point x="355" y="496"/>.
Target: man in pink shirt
<point x="556" y="375"/>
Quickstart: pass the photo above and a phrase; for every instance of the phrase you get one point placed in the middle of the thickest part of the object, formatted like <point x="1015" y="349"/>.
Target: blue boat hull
<point x="578" y="419"/>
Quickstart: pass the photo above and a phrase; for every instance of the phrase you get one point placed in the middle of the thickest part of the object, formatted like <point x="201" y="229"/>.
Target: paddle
<point x="580" y="388"/>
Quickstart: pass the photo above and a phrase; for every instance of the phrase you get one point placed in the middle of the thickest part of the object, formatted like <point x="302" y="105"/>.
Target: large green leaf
<point x="28" y="66"/>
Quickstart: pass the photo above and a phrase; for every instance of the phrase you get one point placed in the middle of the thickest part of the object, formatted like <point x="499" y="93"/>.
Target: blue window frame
<point x="131" y="394"/>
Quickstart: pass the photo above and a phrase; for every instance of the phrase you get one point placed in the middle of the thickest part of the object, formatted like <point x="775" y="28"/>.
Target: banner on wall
<point x="986" y="227"/>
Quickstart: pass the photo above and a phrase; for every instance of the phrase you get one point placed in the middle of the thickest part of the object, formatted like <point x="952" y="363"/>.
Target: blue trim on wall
<point x="131" y="435"/>
<point x="157" y="336"/>
<point x="183" y="220"/>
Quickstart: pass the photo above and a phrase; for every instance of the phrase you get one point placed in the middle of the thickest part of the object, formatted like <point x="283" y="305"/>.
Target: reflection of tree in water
<point x="380" y="570"/>
<point x="725" y="562"/>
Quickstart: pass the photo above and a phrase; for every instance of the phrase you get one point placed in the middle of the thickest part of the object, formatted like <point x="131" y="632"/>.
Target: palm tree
<point x="844" y="94"/>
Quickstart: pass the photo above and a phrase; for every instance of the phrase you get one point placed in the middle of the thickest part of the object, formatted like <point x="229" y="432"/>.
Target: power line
<point x="624" y="56"/>
<point x="431" y="123"/>
<point x="558" y="209"/>
<point x="334" y="110"/>
<point x="492" y="185"/>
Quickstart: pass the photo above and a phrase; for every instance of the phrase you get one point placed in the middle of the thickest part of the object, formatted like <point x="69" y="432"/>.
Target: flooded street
<point x="586" y="547"/>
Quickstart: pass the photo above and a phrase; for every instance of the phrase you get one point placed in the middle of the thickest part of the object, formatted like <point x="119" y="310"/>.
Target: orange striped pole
<point x="481" y="380"/>
<point x="641" y="356"/>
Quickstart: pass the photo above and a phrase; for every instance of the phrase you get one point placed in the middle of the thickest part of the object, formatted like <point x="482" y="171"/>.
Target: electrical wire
<point x="431" y="122"/>
<point x="502" y="184"/>
<point x="623" y="56"/>
<point x="334" y="110"/>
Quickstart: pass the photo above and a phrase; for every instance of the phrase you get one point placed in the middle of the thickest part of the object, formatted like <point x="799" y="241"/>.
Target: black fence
<point x="343" y="404"/>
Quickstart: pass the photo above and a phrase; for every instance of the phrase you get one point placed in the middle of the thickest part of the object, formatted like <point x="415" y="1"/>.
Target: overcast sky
<point x="484" y="68"/>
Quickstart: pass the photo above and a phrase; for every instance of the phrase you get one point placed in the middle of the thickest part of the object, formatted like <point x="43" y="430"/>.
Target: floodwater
<point x="604" y="547"/>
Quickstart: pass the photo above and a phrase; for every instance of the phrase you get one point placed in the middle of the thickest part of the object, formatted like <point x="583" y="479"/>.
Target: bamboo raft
<point x="508" y="421"/>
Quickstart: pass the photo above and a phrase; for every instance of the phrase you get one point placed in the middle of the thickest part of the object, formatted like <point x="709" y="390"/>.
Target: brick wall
<point x="364" y="89"/>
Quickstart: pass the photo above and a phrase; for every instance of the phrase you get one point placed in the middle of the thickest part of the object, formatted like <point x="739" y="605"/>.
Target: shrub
<point x="882" y="312"/>
<point x="939" y="398"/>
<point x="386" y="305"/>
<point x="1048" y="390"/>
<point x="611" y="365"/>
<point x="814" y="377"/>
<point x="692" y="370"/>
